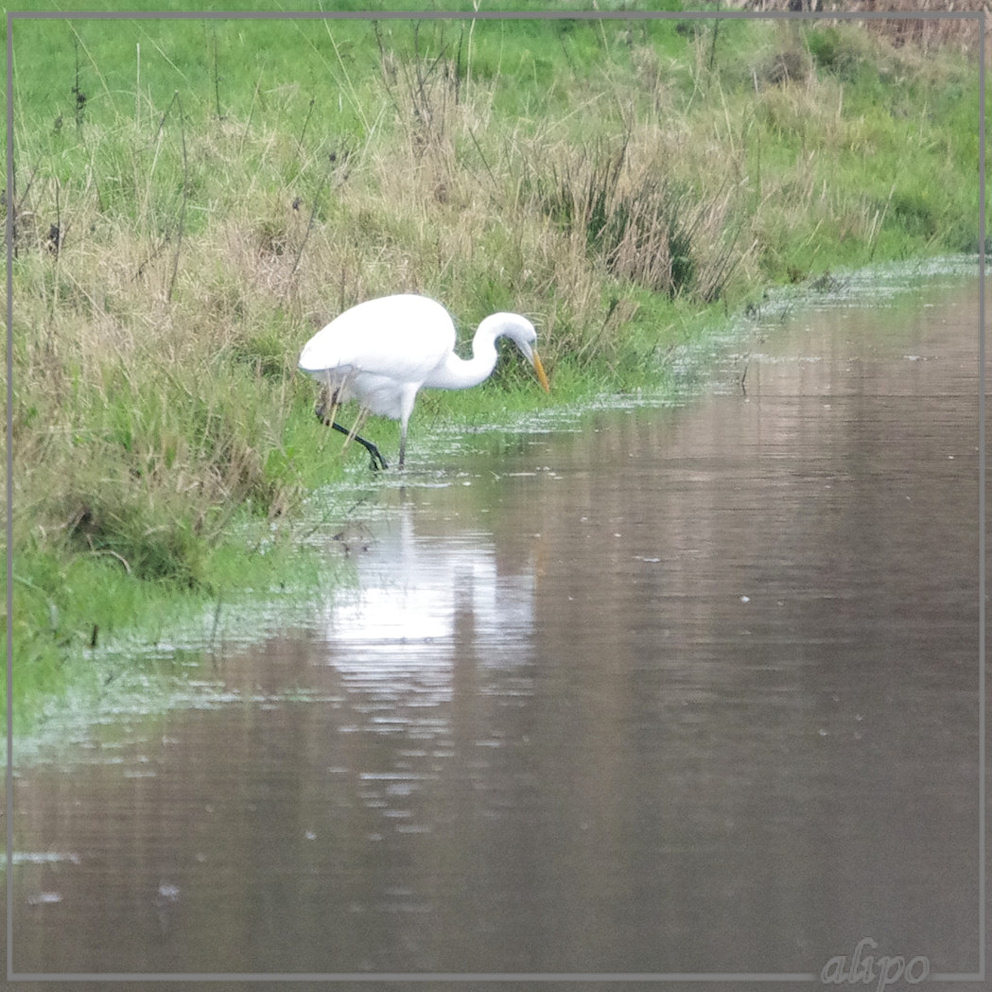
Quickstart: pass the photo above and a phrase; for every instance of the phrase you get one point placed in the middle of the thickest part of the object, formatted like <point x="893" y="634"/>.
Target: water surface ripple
<point x="688" y="690"/>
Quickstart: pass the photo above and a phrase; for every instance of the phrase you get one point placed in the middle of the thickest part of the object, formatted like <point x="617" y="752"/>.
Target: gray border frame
<point x="433" y="15"/>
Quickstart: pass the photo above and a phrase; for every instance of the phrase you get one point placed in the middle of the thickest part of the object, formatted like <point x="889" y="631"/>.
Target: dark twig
<point x="77" y="92"/>
<point x="303" y="130"/>
<point x="306" y="234"/>
<point x="482" y="155"/>
<point x="383" y="63"/>
<point x="216" y="78"/>
<point x="55" y="232"/>
<point x="458" y="66"/>
<point x="716" y="29"/>
<point x="180" y="226"/>
<point x="165" y="116"/>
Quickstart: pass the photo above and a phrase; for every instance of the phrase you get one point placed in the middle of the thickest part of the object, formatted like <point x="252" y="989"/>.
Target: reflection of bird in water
<point x="382" y="351"/>
<point x="428" y="595"/>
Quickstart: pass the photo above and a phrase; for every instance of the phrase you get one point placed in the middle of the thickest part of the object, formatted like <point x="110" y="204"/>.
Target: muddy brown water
<point x="680" y="691"/>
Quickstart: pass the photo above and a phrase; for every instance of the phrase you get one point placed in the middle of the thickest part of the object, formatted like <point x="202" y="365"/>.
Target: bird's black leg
<point x="377" y="460"/>
<point x="322" y="415"/>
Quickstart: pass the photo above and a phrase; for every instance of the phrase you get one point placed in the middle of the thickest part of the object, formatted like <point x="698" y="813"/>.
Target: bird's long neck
<point x="460" y="373"/>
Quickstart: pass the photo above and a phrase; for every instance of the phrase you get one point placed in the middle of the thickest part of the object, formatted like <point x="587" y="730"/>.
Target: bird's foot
<point x="378" y="461"/>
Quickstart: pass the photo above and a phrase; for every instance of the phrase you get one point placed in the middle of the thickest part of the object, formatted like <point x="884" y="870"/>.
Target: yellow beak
<point x="541" y="377"/>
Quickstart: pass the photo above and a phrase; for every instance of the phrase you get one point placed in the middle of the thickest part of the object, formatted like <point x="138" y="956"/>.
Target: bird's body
<point x="381" y="352"/>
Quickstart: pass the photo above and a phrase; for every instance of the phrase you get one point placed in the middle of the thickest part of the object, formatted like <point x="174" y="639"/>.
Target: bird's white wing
<point x="403" y="338"/>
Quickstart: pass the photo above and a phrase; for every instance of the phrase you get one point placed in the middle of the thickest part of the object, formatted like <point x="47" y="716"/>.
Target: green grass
<point x="194" y="199"/>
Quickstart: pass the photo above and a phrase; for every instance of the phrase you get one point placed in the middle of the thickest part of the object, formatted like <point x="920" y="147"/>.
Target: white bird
<point x="382" y="351"/>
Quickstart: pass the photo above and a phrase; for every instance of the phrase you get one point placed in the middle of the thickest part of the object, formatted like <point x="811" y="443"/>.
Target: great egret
<point x="382" y="351"/>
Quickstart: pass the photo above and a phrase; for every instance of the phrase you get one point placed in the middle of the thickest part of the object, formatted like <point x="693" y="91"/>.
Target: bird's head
<point x="521" y="332"/>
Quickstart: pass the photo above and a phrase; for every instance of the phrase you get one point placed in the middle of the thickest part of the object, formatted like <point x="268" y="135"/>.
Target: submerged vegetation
<point x="194" y="198"/>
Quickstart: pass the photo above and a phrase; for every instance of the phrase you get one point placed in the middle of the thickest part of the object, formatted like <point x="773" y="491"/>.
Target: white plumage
<point x="381" y="352"/>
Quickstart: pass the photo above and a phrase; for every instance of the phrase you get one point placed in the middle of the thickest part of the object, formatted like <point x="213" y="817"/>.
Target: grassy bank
<point x="194" y="199"/>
